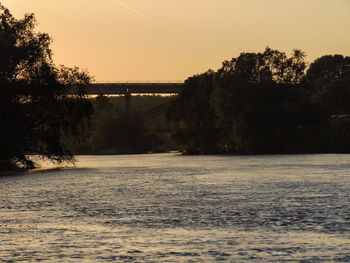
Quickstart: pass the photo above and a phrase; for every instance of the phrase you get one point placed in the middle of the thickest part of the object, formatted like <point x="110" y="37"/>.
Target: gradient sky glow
<point x="119" y="40"/>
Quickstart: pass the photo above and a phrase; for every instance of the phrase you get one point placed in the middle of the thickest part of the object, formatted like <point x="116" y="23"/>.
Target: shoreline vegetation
<point x="257" y="103"/>
<point x="35" y="109"/>
<point x="266" y="103"/>
<point x="114" y="131"/>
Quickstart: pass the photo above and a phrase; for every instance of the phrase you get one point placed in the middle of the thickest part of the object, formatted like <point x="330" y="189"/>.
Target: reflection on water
<point x="172" y="208"/>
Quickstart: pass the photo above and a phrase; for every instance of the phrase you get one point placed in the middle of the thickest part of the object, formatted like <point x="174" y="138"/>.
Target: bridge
<point x="127" y="88"/>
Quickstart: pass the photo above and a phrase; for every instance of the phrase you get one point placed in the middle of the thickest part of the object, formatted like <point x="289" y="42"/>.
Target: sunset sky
<point x="169" y="40"/>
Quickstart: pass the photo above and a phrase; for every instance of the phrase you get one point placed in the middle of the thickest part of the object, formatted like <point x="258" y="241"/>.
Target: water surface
<point x="172" y="208"/>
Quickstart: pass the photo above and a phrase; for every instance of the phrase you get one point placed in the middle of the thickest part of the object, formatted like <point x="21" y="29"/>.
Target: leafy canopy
<point x="35" y="110"/>
<point x="263" y="103"/>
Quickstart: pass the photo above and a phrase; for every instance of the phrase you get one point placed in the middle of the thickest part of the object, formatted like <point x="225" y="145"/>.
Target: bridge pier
<point x="127" y="97"/>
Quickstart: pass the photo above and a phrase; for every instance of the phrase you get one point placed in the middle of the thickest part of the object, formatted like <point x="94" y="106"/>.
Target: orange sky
<point x="118" y="40"/>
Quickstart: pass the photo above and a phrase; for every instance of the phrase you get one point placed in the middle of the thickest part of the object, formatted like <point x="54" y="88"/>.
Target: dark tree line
<point x="264" y="103"/>
<point x="114" y="131"/>
<point x="35" y="111"/>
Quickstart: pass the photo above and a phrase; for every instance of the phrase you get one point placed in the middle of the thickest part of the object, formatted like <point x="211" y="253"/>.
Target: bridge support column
<point x="127" y="97"/>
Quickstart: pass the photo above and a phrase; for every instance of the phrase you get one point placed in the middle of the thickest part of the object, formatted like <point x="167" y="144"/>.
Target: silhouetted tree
<point x="259" y="103"/>
<point x="192" y="116"/>
<point x="113" y="131"/>
<point x="266" y="103"/>
<point x="329" y="77"/>
<point x="34" y="108"/>
<point x="122" y="133"/>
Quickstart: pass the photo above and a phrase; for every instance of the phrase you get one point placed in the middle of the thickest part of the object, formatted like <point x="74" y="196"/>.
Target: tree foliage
<point x="114" y="131"/>
<point x="329" y="77"/>
<point x="264" y="103"/>
<point x="35" y="109"/>
<point x="192" y="115"/>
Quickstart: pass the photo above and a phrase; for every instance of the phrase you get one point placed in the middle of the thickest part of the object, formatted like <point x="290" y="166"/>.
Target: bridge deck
<point x="129" y="88"/>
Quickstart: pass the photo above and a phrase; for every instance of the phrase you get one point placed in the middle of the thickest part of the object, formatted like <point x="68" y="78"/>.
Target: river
<point x="173" y="208"/>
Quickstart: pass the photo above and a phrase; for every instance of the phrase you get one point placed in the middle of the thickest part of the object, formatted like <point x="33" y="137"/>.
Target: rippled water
<point x="172" y="208"/>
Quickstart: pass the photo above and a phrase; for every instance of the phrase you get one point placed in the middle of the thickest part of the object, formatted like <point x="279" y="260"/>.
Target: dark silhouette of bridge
<point x="129" y="88"/>
<point x="134" y="88"/>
